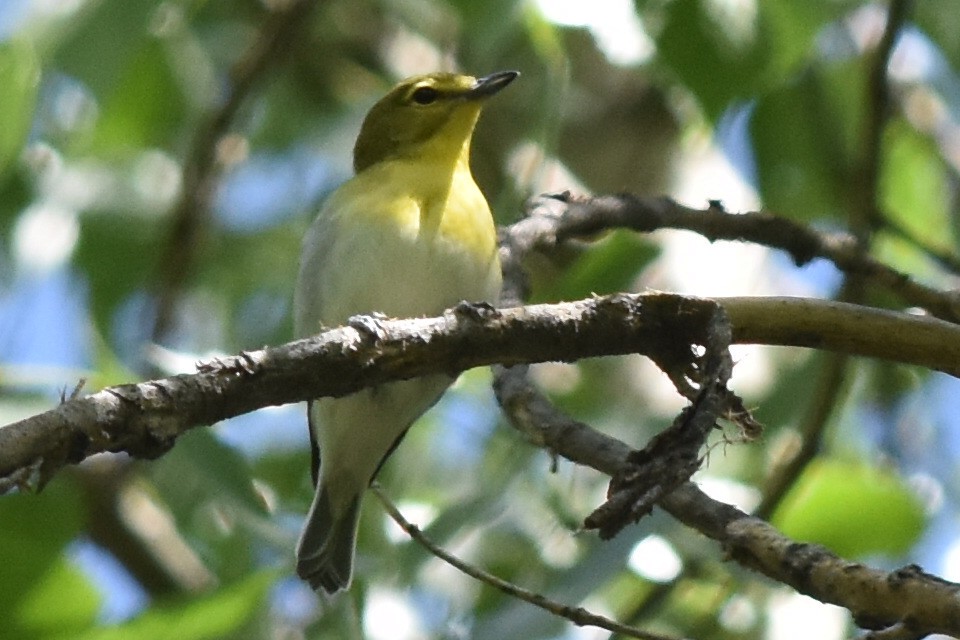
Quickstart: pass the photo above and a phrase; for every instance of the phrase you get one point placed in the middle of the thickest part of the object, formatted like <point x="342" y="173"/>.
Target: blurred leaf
<point x="914" y="184"/>
<point x="145" y="107"/>
<point x="717" y="63"/>
<point x="20" y="79"/>
<point x="56" y="513"/>
<point x="490" y="31"/>
<point x="118" y="254"/>
<point x="454" y="522"/>
<point x="15" y="195"/>
<point x="201" y="469"/>
<point x="608" y="266"/>
<point x="101" y="40"/>
<point x="852" y="508"/>
<point x="44" y="611"/>
<point x="805" y="137"/>
<point x="208" y="488"/>
<point x="242" y="265"/>
<point x="725" y="54"/>
<point x="793" y="27"/>
<point x="544" y="36"/>
<point x="940" y="20"/>
<point x="599" y="563"/>
<point x="222" y="614"/>
<point x="34" y="530"/>
<point x="287" y="473"/>
<point x="890" y="382"/>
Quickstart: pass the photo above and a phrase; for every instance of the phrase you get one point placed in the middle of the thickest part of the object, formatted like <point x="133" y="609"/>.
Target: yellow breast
<point x="406" y="240"/>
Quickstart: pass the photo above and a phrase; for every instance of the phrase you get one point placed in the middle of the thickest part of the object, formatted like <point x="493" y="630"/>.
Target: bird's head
<point x="425" y="116"/>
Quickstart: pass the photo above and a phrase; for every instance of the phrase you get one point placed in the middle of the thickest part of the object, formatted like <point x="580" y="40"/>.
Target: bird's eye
<point x="425" y="95"/>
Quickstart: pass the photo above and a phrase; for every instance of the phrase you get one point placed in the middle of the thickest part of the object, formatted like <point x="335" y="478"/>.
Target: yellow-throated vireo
<point x="410" y="234"/>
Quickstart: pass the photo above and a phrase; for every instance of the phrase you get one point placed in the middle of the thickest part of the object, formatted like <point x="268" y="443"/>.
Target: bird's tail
<point x="325" y="550"/>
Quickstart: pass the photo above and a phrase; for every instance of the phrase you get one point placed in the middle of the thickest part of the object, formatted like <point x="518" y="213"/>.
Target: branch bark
<point x="145" y="419"/>
<point x="877" y="599"/>
<point x="569" y="217"/>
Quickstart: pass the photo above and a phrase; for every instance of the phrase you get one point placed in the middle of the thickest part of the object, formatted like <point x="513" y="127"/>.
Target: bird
<point x="410" y="234"/>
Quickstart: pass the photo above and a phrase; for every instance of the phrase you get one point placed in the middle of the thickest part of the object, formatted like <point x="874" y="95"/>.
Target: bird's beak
<point x="491" y="84"/>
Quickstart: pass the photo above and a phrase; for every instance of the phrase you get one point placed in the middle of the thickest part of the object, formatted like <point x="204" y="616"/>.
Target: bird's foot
<point x="474" y="311"/>
<point x="369" y="325"/>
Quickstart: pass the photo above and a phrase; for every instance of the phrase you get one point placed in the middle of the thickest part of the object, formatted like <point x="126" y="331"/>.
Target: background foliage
<point x="747" y="101"/>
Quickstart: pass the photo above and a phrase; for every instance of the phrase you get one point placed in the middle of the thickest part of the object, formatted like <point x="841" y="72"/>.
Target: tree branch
<point x="563" y="217"/>
<point x="872" y="596"/>
<point x="145" y="419"/>
<point x="876" y="598"/>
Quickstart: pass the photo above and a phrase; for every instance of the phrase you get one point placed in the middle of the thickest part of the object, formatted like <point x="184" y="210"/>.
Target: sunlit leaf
<point x="34" y="530"/>
<point x="219" y="615"/>
<point x="852" y="508"/>
<point x="20" y="79"/>
<point x="914" y="184"/>
<point x="144" y="108"/>
<point x="43" y="611"/>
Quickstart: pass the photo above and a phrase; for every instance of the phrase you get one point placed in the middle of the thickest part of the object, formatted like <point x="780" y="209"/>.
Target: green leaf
<point x="724" y="65"/>
<point x="805" y="137"/>
<point x="128" y="240"/>
<point x="145" y="108"/>
<point x="852" y="508"/>
<point x="914" y="184"/>
<point x="36" y="528"/>
<point x="609" y="266"/>
<point x="208" y="488"/>
<point x="940" y="20"/>
<point x="201" y="468"/>
<point x="218" y="615"/>
<point x="20" y="79"/>
<point x="34" y="531"/>
<point x="793" y="26"/>
<point x="724" y="55"/>
<point x="61" y="602"/>
<point x="102" y="38"/>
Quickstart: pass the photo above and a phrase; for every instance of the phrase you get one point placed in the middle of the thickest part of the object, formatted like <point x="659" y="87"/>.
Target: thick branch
<point x="847" y="328"/>
<point x="144" y="419"/>
<point x="876" y="598"/>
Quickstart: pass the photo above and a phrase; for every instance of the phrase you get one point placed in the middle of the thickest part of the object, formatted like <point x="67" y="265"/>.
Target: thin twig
<point x="577" y="615"/>
<point x="560" y="217"/>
